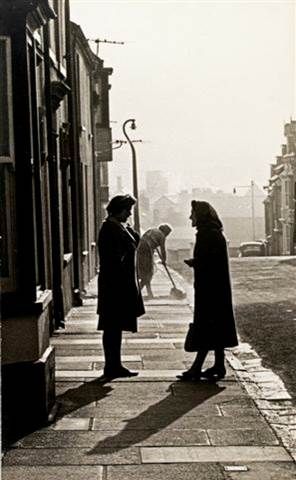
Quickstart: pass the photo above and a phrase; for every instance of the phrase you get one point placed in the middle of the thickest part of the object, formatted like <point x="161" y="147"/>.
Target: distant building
<point x="166" y="210"/>
<point x="280" y="211"/>
<point x="156" y="184"/>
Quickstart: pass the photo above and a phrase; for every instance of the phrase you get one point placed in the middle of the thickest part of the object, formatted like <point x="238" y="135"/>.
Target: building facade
<point x="90" y="151"/>
<point x="54" y="98"/>
<point x="280" y="211"/>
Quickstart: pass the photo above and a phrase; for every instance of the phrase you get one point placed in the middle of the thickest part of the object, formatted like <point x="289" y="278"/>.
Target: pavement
<point x="152" y="426"/>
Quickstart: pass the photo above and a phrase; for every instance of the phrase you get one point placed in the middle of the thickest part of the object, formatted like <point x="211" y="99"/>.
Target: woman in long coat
<point x="213" y="322"/>
<point x="119" y="296"/>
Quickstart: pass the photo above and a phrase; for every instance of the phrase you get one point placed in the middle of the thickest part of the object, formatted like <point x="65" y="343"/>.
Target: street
<point x="152" y="426"/>
<point x="265" y="297"/>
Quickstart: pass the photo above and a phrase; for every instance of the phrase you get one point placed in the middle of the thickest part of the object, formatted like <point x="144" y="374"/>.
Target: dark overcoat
<point x="213" y="310"/>
<point x="119" y="296"/>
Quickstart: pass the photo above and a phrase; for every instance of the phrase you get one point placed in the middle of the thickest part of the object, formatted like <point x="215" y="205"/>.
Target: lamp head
<point x="133" y="125"/>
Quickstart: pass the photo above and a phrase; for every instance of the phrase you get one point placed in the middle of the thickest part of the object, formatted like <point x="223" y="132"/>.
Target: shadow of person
<point x="156" y="417"/>
<point x="81" y="396"/>
<point x="68" y="402"/>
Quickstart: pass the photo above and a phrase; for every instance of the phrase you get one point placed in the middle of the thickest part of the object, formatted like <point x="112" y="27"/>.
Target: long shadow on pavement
<point x="81" y="396"/>
<point x="155" y="418"/>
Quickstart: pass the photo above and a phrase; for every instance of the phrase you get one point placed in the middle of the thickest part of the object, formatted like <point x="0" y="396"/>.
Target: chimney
<point x="291" y="144"/>
<point x="119" y="188"/>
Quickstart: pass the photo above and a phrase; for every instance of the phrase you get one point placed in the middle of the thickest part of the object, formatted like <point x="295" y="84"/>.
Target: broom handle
<point x="166" y="268"/>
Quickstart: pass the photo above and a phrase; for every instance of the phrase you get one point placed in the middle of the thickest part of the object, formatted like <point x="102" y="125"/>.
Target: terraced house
<point x="53" y="187"/>
<point x="280" y="211"/>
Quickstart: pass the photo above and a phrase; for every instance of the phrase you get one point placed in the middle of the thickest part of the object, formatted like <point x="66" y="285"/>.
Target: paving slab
<point x="172" y="308"/>
<point x="127" y="410"/>
<point x="238" y="411"/>
<point x="66" y="350"/>
<point x="110" y="438"/>
<point x="67" y="423"/>
<point x="266" y="471"/>
<point x="67" y="411"/>
<point x="213" y="454"/>
<point x="166" y="355"/>
<point x="72" y="456"/>
<point x="95" y="358"/>
<point x="163" y="375"/>
<point x="280" y="417"/>
<point x="166" y="472"/>
<point x="164" y="365"/>
<point x="151" y="420"/>
<point x="53" y="473"/>
<point x="274" y="405"/>
<point x="74" y="366"/>
<point x="242" y="436"/>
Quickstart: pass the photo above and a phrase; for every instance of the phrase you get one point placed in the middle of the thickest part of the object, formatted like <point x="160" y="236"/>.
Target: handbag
<point x="190" y="344"/>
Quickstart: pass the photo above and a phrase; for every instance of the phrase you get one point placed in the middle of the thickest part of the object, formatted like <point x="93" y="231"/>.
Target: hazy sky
<point x="210" y="85"/>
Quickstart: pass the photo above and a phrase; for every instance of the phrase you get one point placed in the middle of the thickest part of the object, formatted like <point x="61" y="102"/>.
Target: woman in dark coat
<point x="119" y="296"/>
<point x="214" y="324"/>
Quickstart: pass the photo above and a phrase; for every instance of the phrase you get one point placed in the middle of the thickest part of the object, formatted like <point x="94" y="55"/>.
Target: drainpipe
<point x="56" y="248"/>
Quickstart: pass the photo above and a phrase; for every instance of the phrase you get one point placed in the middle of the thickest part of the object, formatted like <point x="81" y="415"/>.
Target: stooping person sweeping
<point x="152" y="239"/>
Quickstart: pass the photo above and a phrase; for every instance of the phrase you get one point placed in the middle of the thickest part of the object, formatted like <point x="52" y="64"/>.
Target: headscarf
<point x="119" y="203"/>
<point x="206" y="215"/>
<point x="165" y="229"/>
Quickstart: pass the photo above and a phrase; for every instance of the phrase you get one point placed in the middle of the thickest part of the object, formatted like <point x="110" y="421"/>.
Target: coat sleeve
<point x="162" y="248"/>
<point x="111" y="253"/>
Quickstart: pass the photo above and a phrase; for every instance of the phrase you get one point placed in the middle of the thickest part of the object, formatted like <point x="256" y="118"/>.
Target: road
<point x="264" y="290"/>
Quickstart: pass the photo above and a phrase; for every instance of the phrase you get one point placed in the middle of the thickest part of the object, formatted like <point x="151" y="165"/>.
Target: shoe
<point x="120" y="372"/>
<point x="189" y="376"/>
<point x="214" y="373"/>
<point x="125" y="372"/>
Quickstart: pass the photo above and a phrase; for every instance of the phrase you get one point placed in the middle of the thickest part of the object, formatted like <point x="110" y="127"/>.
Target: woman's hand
<point x="189" y="262"/>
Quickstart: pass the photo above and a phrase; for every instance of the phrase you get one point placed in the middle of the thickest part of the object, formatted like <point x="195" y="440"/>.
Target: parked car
<point x="252" y="249"/>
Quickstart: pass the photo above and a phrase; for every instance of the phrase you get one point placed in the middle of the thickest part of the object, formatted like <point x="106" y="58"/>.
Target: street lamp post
<point x="252" y="204"/>
<point x="134" y="168"/>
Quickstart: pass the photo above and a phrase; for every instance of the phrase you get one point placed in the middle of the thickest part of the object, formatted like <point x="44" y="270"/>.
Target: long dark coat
<point x="119" y="296"/>
<point x="213" y="310"/>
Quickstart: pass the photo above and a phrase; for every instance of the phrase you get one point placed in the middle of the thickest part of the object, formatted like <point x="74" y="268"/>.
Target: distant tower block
<point x="119" y="188"/>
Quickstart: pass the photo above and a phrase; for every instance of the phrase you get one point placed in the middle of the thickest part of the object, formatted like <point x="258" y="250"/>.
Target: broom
<point x="175" y="292"/>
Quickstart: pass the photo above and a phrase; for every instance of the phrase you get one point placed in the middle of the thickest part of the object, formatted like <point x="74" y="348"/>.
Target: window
<point x="7" y="187"/>
<point x="7" y="225"/>
<point x="6" y="120"/>
<point x="287" y="193"/>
